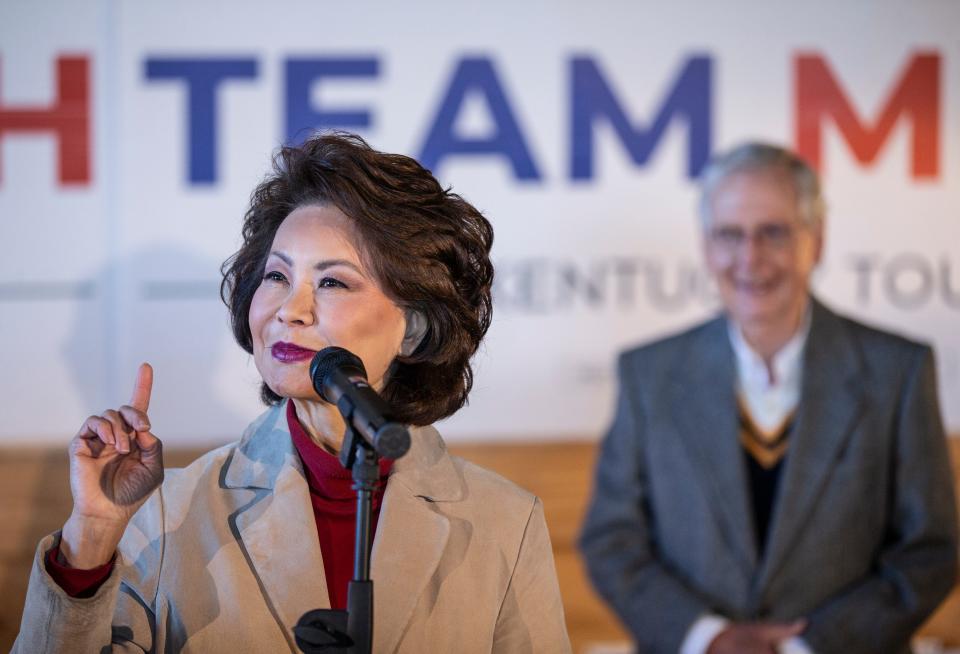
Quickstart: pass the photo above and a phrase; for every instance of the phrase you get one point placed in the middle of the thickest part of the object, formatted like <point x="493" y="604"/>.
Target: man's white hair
<point x="756" y="156"/>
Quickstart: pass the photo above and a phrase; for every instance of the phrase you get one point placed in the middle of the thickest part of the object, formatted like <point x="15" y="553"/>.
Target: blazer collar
<point x="704" y="410"/>
<point x="427" y="470"/>
<point x="831" y="401"/>
<point x="413" y="532"/>
<point x="277" y="528"/>
<point x="266" y="448"/>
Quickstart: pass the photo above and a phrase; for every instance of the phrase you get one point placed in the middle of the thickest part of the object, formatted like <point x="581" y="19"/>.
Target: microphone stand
<point x="334" y="630"/>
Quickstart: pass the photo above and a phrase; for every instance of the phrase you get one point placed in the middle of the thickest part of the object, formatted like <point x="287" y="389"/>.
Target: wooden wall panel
<point x="34" y="485"/>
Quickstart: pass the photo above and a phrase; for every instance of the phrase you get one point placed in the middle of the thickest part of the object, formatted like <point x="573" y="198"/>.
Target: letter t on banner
<point x="202" y="76"/>
<point x="68" y="118"/>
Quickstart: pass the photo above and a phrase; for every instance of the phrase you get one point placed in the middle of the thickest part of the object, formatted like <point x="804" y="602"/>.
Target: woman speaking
<point x="342" y="246"/>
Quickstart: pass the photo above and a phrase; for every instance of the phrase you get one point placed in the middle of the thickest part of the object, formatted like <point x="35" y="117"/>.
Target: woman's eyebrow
<point x="320" y="265"/>
<point x="329" y="263"/>
<point x="280" y="255"/>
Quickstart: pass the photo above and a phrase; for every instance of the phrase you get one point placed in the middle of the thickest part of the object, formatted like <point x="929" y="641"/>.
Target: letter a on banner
<point x="478" y="75"/>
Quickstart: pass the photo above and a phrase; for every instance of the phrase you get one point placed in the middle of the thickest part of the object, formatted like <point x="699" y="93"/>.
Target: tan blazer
<point x="225" y="558"/>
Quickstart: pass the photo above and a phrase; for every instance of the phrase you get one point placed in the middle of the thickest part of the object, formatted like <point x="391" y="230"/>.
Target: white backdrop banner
<point x="132" y="133"/>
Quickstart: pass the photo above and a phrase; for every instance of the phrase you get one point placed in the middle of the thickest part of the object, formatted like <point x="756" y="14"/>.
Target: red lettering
<point x="68" y="118"/>
<point x="915" y="97"/>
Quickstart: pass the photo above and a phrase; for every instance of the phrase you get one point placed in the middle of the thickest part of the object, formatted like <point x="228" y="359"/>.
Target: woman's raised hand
<point x="115" y="463"/>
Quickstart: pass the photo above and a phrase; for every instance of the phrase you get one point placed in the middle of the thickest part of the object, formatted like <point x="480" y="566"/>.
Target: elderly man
<point x="775" y="479"/>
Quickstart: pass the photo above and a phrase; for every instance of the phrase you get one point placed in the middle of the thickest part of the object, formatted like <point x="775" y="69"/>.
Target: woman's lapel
<point x="412" y="533"/>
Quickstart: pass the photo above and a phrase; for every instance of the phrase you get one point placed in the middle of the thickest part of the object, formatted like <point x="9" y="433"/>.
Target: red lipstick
<point x="290" y="353"/>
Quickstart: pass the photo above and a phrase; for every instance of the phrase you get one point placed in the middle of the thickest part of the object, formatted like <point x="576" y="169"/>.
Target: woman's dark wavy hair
<point x="428" y="248"/>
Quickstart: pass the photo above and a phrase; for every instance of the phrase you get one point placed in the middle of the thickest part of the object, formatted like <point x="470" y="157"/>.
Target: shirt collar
<point x="325" y="474"/>
<point x="787" y="362"/>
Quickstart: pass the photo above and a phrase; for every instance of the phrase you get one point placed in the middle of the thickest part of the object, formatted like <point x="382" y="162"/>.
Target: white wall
<point x="98" y="276"/>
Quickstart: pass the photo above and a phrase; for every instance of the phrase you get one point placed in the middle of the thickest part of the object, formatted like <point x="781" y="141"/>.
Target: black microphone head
<point x="334" y="358"/>
<point x="392" y="440"/>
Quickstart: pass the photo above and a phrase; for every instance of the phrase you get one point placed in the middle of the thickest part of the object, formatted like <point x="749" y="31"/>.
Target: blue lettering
<point x="303" y="118"/>
<point x="477" y="75"/>
<point x="592" y="99"/>
<point x="202" y="77"/>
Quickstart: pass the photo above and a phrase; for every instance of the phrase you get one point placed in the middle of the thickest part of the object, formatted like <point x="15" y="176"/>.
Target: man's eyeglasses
<point x="770" y="236"/>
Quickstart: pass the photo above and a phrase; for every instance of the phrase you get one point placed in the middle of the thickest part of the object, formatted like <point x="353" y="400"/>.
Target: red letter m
<point x="917" y="96"/>
<point x="68" y="118"/>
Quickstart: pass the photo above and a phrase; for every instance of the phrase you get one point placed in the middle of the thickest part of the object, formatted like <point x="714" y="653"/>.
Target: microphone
<point x="339" y="377"/>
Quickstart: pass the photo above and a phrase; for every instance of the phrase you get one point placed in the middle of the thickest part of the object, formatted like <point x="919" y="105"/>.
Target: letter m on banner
<point x="916" y="97"/>
<point x="68" y="119"/>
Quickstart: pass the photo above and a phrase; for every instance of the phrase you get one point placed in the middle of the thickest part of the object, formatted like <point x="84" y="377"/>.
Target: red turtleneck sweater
<point x="334" y="509"/>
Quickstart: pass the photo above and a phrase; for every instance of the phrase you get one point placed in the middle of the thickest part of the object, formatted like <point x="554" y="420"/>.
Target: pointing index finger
<point x="140" y="399"/>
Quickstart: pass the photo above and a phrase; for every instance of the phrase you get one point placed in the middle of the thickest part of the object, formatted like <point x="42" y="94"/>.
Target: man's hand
<point x="755" y="637"/>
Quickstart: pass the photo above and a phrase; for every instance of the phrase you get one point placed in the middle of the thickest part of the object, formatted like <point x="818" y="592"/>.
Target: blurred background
<point x="131" y="135"/>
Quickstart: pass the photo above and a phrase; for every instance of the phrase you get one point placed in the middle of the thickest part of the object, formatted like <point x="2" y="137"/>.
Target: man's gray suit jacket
<point x="863" y="536"/>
